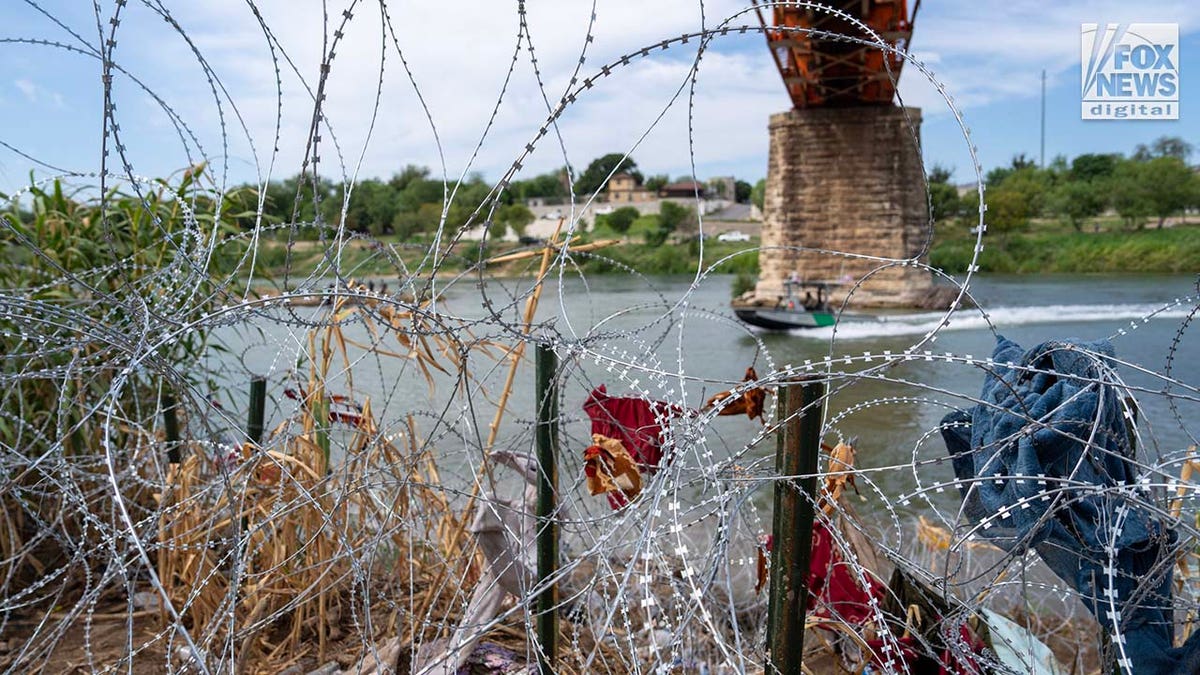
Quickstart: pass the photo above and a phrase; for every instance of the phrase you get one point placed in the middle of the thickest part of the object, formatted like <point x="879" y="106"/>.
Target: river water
<point x="670" y="340"/>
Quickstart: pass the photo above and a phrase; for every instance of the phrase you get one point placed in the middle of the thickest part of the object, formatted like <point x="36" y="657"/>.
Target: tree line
<point x="413" y="202"/>
<point x="409" y="203"/>
<point x="1153" y="184"/>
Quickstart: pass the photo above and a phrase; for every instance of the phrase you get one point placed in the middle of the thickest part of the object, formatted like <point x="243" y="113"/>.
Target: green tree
<point x="1169" y="186"/>
<point x="545" y="186"/>
<point x="372" y="207"/>
<point x="1001" y="173"/>
<point x="969" y="207"/>
<point x="467" y="198"/>
<point x="1091" y="166"/>
<point x="621" y="219"/>
<point x="515" y="216"/>
<point x="1127" y="193"/>
<point x="407" y="175"/>
<point x="298" y="200"/>
<point x="416" y="188"/>
<point x="656" y="235"/>
<point x="1031" y="184"/>
<point x="656" y="182"/>
<point x="741" y="191"/>
<point x="1164" y="146"/>
<point x="1008" y="211"/>
<point x="594" y="176"/>
<point x="1075" y="201"/>
<point x="943" y="196"/>
<point x="422" y="219"/>
<point x="939" y="174"/>
<point x="672" y="215"/>
<point x="758" y="193"/>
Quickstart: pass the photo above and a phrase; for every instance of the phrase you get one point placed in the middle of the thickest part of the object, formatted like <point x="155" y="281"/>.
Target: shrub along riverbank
<point x="364" y="258"/>
<point x="1174" y="250"/>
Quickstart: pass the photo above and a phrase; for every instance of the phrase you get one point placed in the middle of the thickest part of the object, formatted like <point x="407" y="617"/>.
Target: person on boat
<point x="810" y="303"/>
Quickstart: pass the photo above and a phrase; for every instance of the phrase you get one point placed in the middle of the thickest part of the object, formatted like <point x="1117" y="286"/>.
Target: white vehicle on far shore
<point x="733" y="235"/>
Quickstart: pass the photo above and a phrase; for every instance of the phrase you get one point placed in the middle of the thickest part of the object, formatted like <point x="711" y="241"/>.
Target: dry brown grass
<point x="267" y="554"/>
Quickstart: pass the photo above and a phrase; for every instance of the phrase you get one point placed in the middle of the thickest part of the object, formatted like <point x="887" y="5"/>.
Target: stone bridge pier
<point x="846" y="180"/>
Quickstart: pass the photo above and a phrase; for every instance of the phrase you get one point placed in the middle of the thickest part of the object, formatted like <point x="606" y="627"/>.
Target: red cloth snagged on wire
<point x="833" y="589"/>
<point x="636" y="422"/>
<point x="834" y="593"/>
<point x="834" y="583"/>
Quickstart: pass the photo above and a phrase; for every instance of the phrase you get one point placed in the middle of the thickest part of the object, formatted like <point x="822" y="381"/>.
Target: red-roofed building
<point x="686" y="189"/>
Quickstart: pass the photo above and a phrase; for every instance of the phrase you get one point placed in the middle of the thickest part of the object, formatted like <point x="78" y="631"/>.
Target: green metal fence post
<point x="170" y="424"/>
<point x="796" y="454"/>
<point x="258" y="405"/>
<point x="547" y="532"/>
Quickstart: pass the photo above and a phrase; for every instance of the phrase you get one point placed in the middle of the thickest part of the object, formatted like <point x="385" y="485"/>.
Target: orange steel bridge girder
<point x="819" y="69"/>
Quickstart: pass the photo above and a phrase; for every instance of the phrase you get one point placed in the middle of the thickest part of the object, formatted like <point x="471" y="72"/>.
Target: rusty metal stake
<point x="795" y="507"/>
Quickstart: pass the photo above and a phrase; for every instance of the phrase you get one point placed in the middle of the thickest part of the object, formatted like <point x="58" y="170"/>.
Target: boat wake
<point x="1001" y="317"/>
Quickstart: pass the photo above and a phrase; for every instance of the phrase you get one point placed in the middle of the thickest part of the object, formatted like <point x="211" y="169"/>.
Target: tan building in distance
<point x="626" y="189"/>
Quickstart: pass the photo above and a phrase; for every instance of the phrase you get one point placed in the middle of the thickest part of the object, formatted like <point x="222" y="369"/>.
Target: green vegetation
<point x="1156" y="182"/>
<point x="758" y="193"/>
<point x="1173" y="250"/>
<point x="363" y="259"/>
<point x="679" y="259"/>
<point x="618" y="221"/>
<point x="83" y="274"/>
<point x="656" y="182"/>
<point x="515" y="217"/>
<point x="672" y="217"/>
<point x="744" y="282"/>
<point x="413" y="202"/>
<point x="742" y="191"/>
<point x="593" y="177"/>
<point x="1089" y="215"/>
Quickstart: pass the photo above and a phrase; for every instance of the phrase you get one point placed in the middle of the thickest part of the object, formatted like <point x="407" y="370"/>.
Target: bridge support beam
<point x="847" y="180"/>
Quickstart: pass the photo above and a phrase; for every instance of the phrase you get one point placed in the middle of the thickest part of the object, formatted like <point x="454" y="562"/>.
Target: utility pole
<point x="1043" y="163"/>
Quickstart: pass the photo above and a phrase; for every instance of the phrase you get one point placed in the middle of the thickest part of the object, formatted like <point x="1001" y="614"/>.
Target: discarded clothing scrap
<point x="635" y="422"/>
<point x="833" y="589"/>
<point x="1051" y="429"/>
<point x="610" y="470"/>
<point x="627" y="440"/>
<point x="749" y="403"/>
<point x="835" y="595"/>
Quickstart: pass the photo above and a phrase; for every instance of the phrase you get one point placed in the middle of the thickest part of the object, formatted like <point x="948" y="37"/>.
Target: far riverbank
<point x="1174" y="250"/>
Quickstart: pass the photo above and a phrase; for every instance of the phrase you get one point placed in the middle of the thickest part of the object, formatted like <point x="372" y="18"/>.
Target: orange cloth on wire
<point x="610" y="470"/>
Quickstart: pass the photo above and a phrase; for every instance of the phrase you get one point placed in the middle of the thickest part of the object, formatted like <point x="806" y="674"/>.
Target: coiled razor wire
<point x="144" y="530"/>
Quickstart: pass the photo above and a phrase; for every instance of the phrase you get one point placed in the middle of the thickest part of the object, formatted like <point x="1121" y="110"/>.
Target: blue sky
<point x="218" y="79"/>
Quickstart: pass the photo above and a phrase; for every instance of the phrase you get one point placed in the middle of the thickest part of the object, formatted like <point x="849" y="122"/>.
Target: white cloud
<point x="459" y="58"/>
<point x="27" y="88"/>
<point x="34" y="93"/>
<point x="459" y="62"/>
<point x="986" y="50"/>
